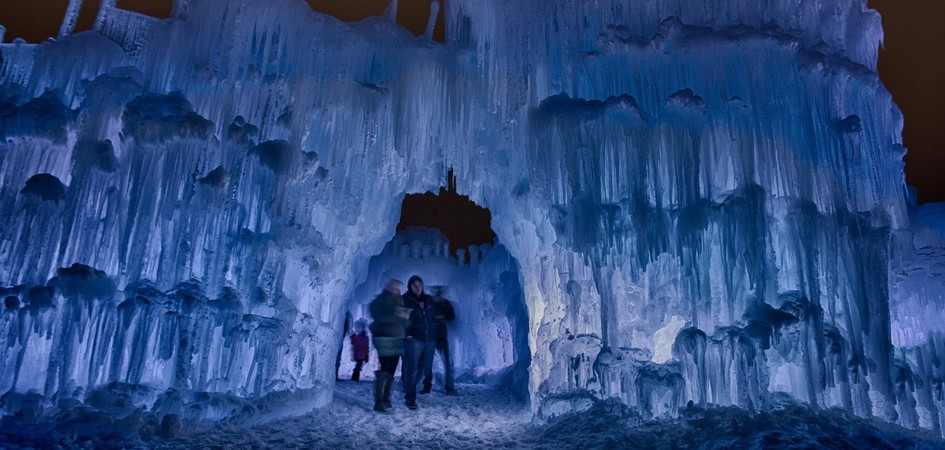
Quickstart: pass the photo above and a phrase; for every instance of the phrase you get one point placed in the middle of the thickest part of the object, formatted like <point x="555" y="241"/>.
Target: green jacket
<point x="387" y="329"/>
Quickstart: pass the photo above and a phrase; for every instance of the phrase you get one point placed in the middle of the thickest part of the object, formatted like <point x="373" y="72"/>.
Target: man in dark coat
<point x="419" y="344"/>
<point x="388" y="327"/>
<point x="442" y="313"/>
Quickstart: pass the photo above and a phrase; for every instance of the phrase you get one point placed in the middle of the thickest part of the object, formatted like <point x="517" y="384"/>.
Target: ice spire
<point x="107" y="6"/>
<point x="391" y="12"/>
<point x="431" y="22"/>
<point x="68" y="22"/>
<point x="3" y="31"/>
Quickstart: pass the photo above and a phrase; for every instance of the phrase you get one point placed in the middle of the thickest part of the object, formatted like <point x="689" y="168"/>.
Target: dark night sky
<point x="912" y="66"/>
<point x="912" y="63"/>
<point x="463" y="222"/>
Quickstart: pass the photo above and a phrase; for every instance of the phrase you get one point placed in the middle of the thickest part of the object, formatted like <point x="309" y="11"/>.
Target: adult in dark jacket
<point x="442" y="313"/>
<point x="419" y="344"/>
<point x="387" y="329"/>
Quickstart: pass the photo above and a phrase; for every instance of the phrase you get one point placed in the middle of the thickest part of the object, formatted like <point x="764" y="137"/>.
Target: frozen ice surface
<point x="702" y="202"/>
<point x="917" y="309"/>
<point x="479" y="418"/>
<point x="918" y="284"/>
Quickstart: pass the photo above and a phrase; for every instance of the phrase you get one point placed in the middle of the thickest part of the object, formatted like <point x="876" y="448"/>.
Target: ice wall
<point x="917" y="309"/>
<point x="703" y="197"/>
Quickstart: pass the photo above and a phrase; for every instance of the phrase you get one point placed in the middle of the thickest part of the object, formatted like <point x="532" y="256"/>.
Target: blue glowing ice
<point x="699" y="201"/>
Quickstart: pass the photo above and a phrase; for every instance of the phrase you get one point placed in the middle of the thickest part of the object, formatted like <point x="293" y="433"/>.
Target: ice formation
<point x="489" y="337"/>
<point x="702" y="201"/>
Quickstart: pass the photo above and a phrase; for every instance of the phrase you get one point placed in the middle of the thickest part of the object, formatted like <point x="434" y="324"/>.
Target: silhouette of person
<point x="387" y="329"/>
<point x="419" y="344"/>
<point x="442" y="313"/>
<point x="360" y="348"/>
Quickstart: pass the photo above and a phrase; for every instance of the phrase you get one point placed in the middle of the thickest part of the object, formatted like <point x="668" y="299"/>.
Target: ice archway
<point x="489" y="336"/>
<point x="447" y="240"/>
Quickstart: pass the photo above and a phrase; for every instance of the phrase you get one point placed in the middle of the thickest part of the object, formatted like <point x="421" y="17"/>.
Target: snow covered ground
<point x="479" y="418"/>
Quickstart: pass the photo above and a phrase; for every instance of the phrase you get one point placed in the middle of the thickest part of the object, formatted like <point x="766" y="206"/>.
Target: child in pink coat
<point x="360" y="348"/>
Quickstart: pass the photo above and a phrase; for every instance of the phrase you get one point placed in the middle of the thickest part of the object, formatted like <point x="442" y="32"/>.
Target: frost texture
<point x="703" y="200"/>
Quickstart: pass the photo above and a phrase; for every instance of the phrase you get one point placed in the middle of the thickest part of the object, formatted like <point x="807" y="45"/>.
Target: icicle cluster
<point x="703" y="198"/>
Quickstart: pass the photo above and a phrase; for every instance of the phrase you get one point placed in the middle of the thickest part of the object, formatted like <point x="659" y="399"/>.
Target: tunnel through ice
<point x="446" y="239"/>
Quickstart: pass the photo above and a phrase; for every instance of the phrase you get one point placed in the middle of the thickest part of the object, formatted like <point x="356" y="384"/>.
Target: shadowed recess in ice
<point x="703" y="202"/>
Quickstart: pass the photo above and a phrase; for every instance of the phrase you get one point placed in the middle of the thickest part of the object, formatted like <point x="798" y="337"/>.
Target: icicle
<point x="431" y="22"/>
<point x="72" y="14"/>
<point x="181" y="9"/>
<point x="3" y="31"/>
<point x="107" y="7"/>
<point x="391" y="12"/>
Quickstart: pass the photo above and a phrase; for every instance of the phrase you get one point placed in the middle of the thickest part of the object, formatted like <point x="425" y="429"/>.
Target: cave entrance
<point x="447" y="240"/>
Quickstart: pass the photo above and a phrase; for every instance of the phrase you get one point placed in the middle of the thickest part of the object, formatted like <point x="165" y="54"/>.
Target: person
<point x="419" y="345"/>
<point x="442" y="313"/>
<point x="360" y="348"/>
<point x="387" y="329"/>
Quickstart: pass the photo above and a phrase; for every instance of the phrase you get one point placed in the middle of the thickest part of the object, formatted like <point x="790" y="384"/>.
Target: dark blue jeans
<point x="442" y="347"/>
<point x="417" y="356"/>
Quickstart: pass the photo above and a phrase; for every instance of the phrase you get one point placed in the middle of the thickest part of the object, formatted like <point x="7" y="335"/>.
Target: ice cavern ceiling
<point x="693" y="201"/>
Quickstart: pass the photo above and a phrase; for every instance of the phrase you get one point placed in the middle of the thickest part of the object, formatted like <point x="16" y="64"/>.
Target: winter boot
<point x="380" y="379"/>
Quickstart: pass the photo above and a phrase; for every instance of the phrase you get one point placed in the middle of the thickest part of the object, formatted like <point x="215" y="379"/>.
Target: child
<point x="360" y="348"/>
